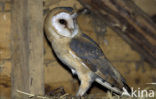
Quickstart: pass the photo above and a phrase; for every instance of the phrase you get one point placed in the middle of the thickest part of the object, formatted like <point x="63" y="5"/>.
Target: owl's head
<point x="61" y="22"/>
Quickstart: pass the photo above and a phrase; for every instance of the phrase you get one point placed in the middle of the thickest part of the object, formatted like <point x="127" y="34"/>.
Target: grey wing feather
<point x="92" y="55"/>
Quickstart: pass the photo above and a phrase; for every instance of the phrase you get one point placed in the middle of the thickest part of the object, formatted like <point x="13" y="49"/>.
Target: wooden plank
<point x="27" y="48"/>
<point x="130" y="22"/>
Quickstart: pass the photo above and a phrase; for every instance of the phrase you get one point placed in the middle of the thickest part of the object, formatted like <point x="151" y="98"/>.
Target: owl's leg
<point x="83" y="88"/>
<point x="86" y="81"/>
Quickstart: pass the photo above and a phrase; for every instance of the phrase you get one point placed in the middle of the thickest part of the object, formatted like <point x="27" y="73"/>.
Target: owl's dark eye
<point x="62" y="21"/>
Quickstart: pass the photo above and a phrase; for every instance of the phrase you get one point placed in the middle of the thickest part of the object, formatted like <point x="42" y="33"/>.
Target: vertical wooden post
<point x="27" y="48"/>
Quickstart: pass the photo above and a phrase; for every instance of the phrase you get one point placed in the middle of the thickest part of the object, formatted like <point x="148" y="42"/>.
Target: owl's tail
<point x="125" y="91"/>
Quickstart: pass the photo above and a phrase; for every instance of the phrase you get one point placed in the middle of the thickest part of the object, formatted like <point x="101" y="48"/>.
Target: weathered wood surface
<point x="130" y="22"/>
<point x="27" y="48"/>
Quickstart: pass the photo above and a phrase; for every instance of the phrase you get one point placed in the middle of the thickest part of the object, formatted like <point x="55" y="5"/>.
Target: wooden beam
<point x="27" y="48"/>
<point x="130" y="22"/>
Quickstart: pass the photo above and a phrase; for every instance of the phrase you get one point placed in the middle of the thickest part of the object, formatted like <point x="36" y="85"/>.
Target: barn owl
<point x="81" y="54"/>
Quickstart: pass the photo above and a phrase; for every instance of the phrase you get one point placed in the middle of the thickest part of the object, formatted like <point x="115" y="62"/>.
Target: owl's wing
<point x="92" y="55"/>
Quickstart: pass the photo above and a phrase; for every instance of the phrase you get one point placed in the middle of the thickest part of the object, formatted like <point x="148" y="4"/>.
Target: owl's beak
<point x="71" y="30"/>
